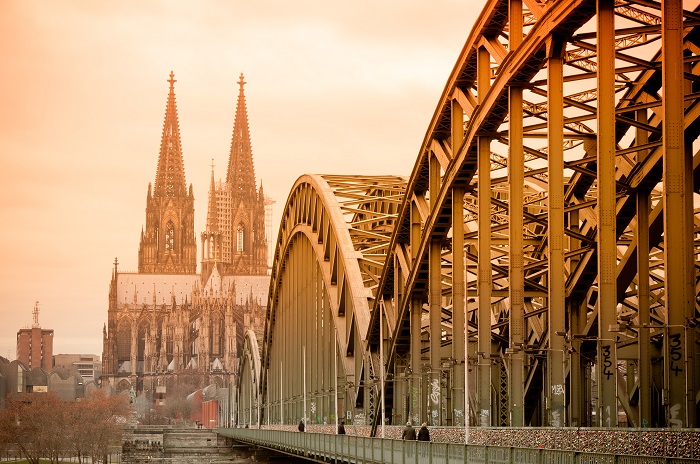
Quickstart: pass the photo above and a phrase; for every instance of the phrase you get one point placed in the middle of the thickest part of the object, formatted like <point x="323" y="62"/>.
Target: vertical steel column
<point x="335" y="376"/>
<point x="284" y="326"/>
<point x="318" y="370"/>
<point x="606" y="370"/>
<point x="402" y="396"/>
<point x="435" y="294"/>
<point x="458" y="283"/>
<point x="577" y="321"/>
<point x="484" y="244"/>
<point x="298" y="329"/>
<point x="294" y="342"/>
<point x="381" y="367"/>
<point x="434" y="395"/>
<point x="290" y="352"/>
<point x="516" y="185"/>
<point x="325" y="359"/>
<point x="303" y="374"/>
<point x="416" y="401"/>
<point x="331" y="327"/>
<point x="281" y="341"/>
<point x="316" y="326"/>
<point x="309" y="335"/>
<point x="556" y="279"/>
<point x="578" y="386"/>
<point x="643" y="290"/>
<point x="678" y="224"/>
<point x="314" y="311"/>
<point x="458" y="306"/>
<point x="281" y="393"/>
<point x="307" y="324"/>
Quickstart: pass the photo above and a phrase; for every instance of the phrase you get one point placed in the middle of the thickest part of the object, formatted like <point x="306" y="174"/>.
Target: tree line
<point x="44" y="426"/>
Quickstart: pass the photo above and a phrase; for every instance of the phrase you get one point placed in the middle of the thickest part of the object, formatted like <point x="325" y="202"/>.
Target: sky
<point x="333" y="87"/>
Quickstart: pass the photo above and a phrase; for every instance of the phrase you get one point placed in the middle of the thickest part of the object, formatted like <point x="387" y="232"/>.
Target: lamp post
<point x="303" y="355"/>
<point x="335" y="369"/>
<point x="349" y="385"/>
<point x="381" y="363"/>
<point x="424" y="391"/>
<point x="467" y="411"/>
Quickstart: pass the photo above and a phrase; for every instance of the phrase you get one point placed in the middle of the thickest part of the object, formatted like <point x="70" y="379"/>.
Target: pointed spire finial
<point x="172" y="80"/>
<point x="241" y="173"/>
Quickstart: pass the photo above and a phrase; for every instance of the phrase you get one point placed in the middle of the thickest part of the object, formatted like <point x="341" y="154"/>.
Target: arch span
<point x="329" y="254"/>
<point x="550" y="226"/>
<point x="546" y="237"/>
<point x="248" y="388"/>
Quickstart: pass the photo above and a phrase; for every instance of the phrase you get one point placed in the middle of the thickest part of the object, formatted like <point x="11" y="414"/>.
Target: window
<point x="170" y="236"/>
<point x="239" y="239"/>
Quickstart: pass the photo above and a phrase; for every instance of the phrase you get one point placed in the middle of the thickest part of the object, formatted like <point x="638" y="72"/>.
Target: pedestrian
<point x="301" y="425"/>
<point x="423" y="433"/>
<point x="409" y="433"/>
<point x="341" y="428"/>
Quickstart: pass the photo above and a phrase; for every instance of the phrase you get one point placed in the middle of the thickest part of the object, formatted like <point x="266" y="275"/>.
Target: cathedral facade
<point x="170" y="328"/>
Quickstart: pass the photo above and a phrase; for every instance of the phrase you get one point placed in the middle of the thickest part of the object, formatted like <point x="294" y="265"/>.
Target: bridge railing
<point x="365" y="450"/>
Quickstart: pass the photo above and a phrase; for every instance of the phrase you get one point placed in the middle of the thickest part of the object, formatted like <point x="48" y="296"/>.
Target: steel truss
<point x="549" y="229"/>
<point x="329" y="256"/>
<point x="552" y="245"/>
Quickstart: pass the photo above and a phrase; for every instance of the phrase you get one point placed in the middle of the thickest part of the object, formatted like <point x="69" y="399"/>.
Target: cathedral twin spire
<point x="235" y="231"/>
<point x="168" y="244"/>
<point x="170" y="175"/>
<point x="241" y="172"/>
<point x="234" y="241"/>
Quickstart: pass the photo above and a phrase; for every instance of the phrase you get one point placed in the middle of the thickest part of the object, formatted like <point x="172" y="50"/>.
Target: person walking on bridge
<point x="423" y="433"/>
<point x="301" y="425"/>
<point x="409" y="433"/>
<point x="341" y="428"/>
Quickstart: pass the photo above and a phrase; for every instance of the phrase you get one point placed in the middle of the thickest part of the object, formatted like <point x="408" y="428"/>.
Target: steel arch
<point x="551" y="233"/>
<point x="330" y="252"/>
<point x="248" y="404"/>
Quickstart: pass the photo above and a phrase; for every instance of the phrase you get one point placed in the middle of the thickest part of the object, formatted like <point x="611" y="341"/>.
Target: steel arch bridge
<point x="546" y="241"/>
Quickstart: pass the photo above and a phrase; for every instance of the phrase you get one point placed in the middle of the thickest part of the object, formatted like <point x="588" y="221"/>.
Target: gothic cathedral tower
<point x="234" y="241"/>
<point x="168" y="244"/>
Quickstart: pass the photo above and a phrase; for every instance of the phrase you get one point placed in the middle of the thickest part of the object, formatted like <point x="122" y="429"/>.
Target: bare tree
<point x="187" y="382"/>
<point x="43" y="426"/>
<point x="34" y="424"/>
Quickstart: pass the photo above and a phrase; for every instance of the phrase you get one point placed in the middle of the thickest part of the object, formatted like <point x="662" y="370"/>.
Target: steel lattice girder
<point x="342" y="224"/>
<point x="566" y="92"/>
<point x="638" y="170"/>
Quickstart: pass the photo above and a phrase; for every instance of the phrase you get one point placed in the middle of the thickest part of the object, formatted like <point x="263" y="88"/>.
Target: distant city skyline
<point x="332" y="88"/>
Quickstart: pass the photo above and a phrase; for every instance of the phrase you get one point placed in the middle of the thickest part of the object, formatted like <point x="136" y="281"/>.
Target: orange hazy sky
<point x="333" y="87"/>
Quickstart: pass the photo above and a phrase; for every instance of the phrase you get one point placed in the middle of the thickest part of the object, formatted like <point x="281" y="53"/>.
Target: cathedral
<point x="170" y="328"/>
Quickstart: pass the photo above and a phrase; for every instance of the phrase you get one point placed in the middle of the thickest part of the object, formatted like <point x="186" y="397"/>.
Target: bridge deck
<point x="365" y="450"/>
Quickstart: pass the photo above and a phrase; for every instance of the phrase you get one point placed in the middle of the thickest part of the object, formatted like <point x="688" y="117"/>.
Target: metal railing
<point x="364" y="450"/>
